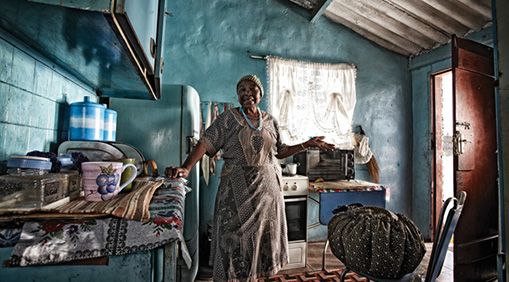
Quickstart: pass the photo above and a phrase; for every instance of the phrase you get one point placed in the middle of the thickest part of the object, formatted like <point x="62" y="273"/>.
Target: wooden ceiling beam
<point x="407" y="19"/>
<point x="369" y="36"/>
<point x="482" y="7"/>
<point x="364" y="22"/>
<point x="375" y="12"/>
<point x="458" y="11"/>
<point x="427" y="13"/>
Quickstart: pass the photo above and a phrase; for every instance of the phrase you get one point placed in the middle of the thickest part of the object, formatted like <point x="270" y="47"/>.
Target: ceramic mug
<point x="127" y="174"/>
<point x="101" y="180"/>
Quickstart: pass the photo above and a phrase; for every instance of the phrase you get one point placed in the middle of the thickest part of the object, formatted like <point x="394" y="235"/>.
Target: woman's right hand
<point x="176" y="172"/>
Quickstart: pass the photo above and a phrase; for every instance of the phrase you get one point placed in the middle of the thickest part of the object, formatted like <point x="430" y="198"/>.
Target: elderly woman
<point x="249" y="232"/>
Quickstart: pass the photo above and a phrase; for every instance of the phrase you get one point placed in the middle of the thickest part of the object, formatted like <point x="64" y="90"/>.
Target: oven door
<point x="296" y="218"/>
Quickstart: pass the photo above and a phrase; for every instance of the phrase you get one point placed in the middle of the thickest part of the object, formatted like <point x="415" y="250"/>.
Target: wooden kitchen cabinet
<point x="115" y="46"/>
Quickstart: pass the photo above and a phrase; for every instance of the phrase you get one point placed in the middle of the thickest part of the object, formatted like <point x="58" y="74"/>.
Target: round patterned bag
<point x="375" y="241"/>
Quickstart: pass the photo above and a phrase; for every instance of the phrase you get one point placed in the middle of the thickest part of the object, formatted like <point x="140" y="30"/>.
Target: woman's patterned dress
<point x="249" y="237"/>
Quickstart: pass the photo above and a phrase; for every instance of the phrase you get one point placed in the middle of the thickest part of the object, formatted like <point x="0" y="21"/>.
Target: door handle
<point x="191" y="144"/>
<point x="458" y="143"/>
<point x="291" y="200"/>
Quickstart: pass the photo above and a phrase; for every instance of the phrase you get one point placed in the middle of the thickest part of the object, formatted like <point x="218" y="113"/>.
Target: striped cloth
<point x="133" y="205"/>
<point x="343" y="186"/>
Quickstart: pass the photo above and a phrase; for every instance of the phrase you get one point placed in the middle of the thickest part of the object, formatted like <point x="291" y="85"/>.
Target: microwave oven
<point x="334" y="164"/>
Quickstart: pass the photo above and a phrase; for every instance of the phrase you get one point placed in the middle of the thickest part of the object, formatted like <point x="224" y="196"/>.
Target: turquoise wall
<point x="421" y="68"/>
<point x="207" y="46"/>
<point x="34" y="98"/>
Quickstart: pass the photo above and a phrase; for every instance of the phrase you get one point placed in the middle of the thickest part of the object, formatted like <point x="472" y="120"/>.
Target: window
<point x="312" y="99"/>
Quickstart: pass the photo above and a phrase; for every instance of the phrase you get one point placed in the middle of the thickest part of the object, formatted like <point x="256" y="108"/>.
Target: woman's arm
<point x="313" y="142"/>
<point x="183" y="171"/>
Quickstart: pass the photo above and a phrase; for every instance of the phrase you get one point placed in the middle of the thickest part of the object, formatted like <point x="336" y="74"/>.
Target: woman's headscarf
<point x="252" y="78"/>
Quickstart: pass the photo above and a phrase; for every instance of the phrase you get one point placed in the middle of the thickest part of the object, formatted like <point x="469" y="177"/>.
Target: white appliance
<point x="295" y="193"/>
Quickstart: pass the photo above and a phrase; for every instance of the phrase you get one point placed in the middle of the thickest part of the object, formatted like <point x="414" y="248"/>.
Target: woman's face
<point x="248" y="94"/>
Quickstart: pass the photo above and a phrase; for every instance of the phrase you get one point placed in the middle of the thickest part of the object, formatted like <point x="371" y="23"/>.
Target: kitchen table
<point x="137" y="250"/>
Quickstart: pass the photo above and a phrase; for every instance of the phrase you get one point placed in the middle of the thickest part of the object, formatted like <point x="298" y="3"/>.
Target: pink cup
<point x="101" y="180"/>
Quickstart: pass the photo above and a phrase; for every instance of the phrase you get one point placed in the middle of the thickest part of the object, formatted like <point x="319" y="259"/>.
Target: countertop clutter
<point x="38" y="192"/>
<point x="30" y="184"/>
<point x="42" y="210"/>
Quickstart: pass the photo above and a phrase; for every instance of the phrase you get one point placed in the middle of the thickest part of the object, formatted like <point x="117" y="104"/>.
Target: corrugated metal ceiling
<point x="407" y="27"/>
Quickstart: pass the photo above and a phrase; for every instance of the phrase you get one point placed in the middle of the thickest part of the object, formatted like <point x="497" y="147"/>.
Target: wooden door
<point x="476" y="236"/>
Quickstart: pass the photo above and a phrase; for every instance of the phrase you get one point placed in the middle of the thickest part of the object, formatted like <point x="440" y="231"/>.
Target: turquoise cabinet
<point x="115" y="46"/>
<point x="158" y="265"/>
<point x="142" y="16"/>
<point x="135" y="267"/>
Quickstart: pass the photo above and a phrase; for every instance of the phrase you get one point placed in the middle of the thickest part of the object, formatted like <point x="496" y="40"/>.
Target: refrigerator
<point x="165" y="131"/>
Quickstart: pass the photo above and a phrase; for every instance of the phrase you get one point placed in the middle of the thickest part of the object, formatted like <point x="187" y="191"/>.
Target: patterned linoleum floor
<point x="314" y="265"/>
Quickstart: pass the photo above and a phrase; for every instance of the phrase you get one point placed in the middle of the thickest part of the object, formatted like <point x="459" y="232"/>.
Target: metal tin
<point x="31" y="192"/>
<point x="110" y="125"/>
<point x="86" y="120"/>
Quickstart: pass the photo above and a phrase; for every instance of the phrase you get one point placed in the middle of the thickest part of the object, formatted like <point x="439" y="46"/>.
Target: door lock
<point x="458" y="143"/>
<point x="465" y="124"/>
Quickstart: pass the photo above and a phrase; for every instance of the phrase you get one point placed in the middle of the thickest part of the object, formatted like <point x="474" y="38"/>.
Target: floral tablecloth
<point x="55" y="241"/>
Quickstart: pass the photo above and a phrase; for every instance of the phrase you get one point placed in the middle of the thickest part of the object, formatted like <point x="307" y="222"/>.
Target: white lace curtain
<point x="312" y="99"/>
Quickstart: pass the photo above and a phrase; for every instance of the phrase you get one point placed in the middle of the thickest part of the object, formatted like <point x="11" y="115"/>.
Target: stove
<point x="295" y="193"/>
<point x="296" y="185"/>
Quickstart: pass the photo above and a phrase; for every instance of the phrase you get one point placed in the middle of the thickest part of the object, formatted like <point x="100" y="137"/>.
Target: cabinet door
<point x="138" y="20"/>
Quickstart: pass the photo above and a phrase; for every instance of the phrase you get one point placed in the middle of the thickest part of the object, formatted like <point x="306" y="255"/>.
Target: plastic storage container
<point x="86" y="120"/>
<point x="29" y="162"/>
<point x="110" y="125"/>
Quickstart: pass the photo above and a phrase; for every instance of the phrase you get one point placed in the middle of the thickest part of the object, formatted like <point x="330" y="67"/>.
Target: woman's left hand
<point x="176" y="172"/>
<point x="318" y="142"/>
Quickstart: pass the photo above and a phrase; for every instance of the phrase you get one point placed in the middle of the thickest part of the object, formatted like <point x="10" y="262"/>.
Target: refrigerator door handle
<point x="191" y="143"/>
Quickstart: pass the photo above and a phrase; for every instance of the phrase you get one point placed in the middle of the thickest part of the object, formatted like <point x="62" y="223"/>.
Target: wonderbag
<point x="375" y="241"/>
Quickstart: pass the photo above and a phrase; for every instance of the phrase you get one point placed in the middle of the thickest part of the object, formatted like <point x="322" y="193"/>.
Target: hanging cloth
<point x="362" y="152"/>
<point x="217" y="156"/>
<point x="364" y="155"/>
<point x="205" y="160"/>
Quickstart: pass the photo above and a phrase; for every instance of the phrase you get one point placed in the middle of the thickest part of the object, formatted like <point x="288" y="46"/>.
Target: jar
<point x="110" y="125"/>
<point x="86" y="120"/>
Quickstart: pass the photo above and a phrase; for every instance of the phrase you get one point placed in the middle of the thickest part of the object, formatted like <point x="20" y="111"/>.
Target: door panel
<point x="476" y="236"/>
<point x="472" y="56"/>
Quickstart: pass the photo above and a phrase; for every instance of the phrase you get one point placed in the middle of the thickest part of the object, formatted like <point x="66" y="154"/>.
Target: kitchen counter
<point x="64" y="241"/>
<point x="325" y="196"/>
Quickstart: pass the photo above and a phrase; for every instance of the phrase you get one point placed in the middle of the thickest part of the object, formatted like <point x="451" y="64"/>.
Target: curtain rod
<point x="257" y="57"/>
<point x="264" y="57"/>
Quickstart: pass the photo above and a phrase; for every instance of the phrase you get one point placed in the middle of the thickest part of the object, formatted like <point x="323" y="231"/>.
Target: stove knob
<point x="294" y="186"/>
<point x="285" y="187"/>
